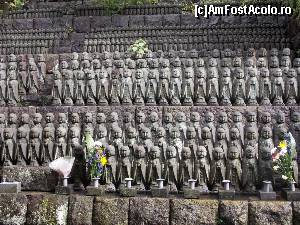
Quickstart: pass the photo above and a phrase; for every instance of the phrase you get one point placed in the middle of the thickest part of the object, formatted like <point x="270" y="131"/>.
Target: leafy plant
<point x="140" y="47"/>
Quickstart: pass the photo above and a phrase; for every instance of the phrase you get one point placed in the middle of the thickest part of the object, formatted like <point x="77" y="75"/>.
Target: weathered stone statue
<point x="3" y="84"/>
<point x="252" y="88"/>
<point x="181" y="124"/>
<point x="154" y="123"/>
<point x="126" y="88"/>
<point x="185" y="167"/>
<point x="225" y="87"/>
<point x="188" y="86"/>
<point x="200" y="83"/>
<point x="249" y="170"/>
<point x="264" y="87"/>
<point x="191" y="140"/>
<point x="265" y="165"/>
<point x="291" y="88"/>
<point x="48" y="145"/>
<point x="277" y="87"/>
<point x="60" y="148"/>
<point x="12" y="94"/>
<point x="146" y="139"/>
<point x="266" y="140"/>
<point x="68" y="87"/>
<point x="33" y="79"/>
<point x="209" y="120"/>
<point x="124" y="165"/>
<point x="139" y="168"/>
<point x="80" y="77"/>
<point x="151" y="83"/>
<point x="235" y="140"/>
<point x="280" y="123"/>
<point x="171" y="169"/>
<point x="9" y="154"/>
<point x="114" y="89"/>
<point x="295" y="127"/>
<point x="221" y="140"/>
<point x="154" y="167"/>
<point x="117" y="139"/>
<point x="239" y="90"/>
<point x="212" y="87"/>
<point x="163" y="85"/>
<point x="217" y="169"/>
<point x="73" y="140"/>
<point x="57" y="88"/>
<point x="140" y="122"/>
<point x="49" y="119"/>
<point x="201" y="168"/>
<point x="42" y="68"/>
<point x="23" y="79"/>
<point x="207" y="142"/>
<point x="128" y="121"/>
<point x="251" y="135"/>
<point x="110" y="174"/>
<point x="175" y="83"/>
<point x="138" y="88"/>
<point x="234" y="167"/>
<point x="23" y="146"/>
<point x="35" y="147"/>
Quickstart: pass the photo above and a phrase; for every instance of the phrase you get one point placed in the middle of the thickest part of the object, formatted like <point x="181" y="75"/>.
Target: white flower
<point x="283" y="151"/>
<point x="273" y="150"/>
<point x="98" y="143"/>
<point x="284" y="177"/>
<point x="276" y="168"/>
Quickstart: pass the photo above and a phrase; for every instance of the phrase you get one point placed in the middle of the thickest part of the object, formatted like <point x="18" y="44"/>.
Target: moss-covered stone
<point x="47" y="209"/>
<point x="80" y="210"/>
<point x="189" y="211"/>
<point x="296" y="212"/>
<point x="110" y="211"/>
<point x="270" y="212"/>
<point x="149" y="211"/>
<point x="13" y="208"/>
<point x="234" y="212"/>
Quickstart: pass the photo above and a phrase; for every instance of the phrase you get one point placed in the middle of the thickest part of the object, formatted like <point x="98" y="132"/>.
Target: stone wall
<point x="49" y="209"/>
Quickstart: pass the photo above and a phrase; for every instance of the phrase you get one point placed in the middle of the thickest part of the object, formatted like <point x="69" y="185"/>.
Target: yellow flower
<point x="103" y="161"/>
<point x="282" y="144"/>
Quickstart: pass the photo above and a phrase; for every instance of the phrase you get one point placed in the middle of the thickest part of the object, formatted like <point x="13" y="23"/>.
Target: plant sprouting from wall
<point x="139" y="47"/>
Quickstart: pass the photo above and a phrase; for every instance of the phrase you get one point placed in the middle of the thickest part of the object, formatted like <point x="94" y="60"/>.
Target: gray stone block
<point x="267" y="195"/>
<point x="153" y="20"/>
<point x="291" y="195"/>
<point x="189" y="20"/>
<point x="149" y="211"/>
<point x="171" y="20"/>
<point x="42" y="23"/>
<point x="120" y="21"/>
<point x="82" y="24"/>
<point x="128" y="192"/>
<point x="10" y="187"/>
<point x="234" y="212"/>
<point x="90" y="190"/>
<point x="226" y="195"/>
<point x="136" y="20"/>
<point x="62" y="190"/>
<point x="80" y="210"/>
<point x="32" y="178"/>
<point x="191" y="193"/>
<point x="100" y="22"/>
<point x="22" y="24"/>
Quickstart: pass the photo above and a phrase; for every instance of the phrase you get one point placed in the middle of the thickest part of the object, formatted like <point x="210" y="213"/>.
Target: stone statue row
<point x="20" y="79"/>
<point x="184" y="81"/>
<point x="35" y="47"/>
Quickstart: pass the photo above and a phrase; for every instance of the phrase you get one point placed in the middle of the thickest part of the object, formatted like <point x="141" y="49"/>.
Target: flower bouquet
<point x="284" y="159"/>
<point x="96" y="158"/>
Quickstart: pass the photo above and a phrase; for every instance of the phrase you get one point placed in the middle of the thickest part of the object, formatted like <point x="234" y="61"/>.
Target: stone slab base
<point x="226" y="195"/>
<point x="191" y="193"/>
<point x="10" y="187"/>
<point x="291" y="195"/>
<point x="93" y="191"/>
<point x="61" y="190"/>
<point x="160" y="192"/>
<point x="267" y="195"/>
<point x="128" y="192"/>
<point x="32" y="178"/>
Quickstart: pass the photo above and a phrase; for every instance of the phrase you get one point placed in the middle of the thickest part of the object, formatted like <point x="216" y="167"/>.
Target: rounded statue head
<point x="191" y="132"/>
<point x="2" y="118"/>
<point x="174" y="133"/>
<point x="75" y="118"/>
<point x="154" y="152"/>
<point x="62" y="118"/>
<point x="209" y="117"/>
<point x="161" y="132"/>
<point x="171" y="152"/>
<point x="249" y="62"/>
<point x="206" y="133"/>
<point x="24" y="118"/>
<point x="296" y="62"/>
<point x="251" y="133"/>
<point x="101" y="118"/>
<point x="127" y="118"/>
<point x="237" y="62"/>
<point x="201" y="152"/>
<point x="215" y="53"/>
<point x="195" y="117"/>
<point x="125" y="151"/>
<point x="225" y="72"/>
<point x="280" y="117"/>
<point x="251" y="117"/>
<point x="64" y="64"/>
<point x="49" y="117"/>
<point x="88" y="118"/>
<point x="168" y="118"/>
<point x="266" y="132"/>
<point x="274" y="52"/>
<point x="221" y="133"/>
<point x="223" y="118"/>
<point x="140" y="117"/>
<point x="200" y="62"/>
<point x="239" y="73"/>
<point x="139" y="74"/>
<point x="295" y="117"/>
<point x="131" y="132"/>
<point x="233" y="152"/>
<point x="218" y="153"/>
<point x="154" y="117"/>
<point x="139" y="152"/>
<point x="182" y="54"/>
<point x="286" y="52"/>
<point x="212" y="62"/>
<point x="193" y="53"/>
<point x="234" y="133"/>
<point x="37" y="118"/>
<point x="74" y="56"/>
<point x="236" y="116"/>
<point x="186" y="153"/>
<point x="114" y="117"/>
<point x="292" y="73"/>
<point x="261" y="62"/>
<point x="266" y="117"/>
<point x="180" y="117"/>
<point x="146" y="133"/>
<point x="188" y="72"/>
<point x="274" y="62"/>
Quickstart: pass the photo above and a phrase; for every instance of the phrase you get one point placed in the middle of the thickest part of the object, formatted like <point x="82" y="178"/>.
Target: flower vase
<point x="292" y="186"/>
<point x="96" y="181"/>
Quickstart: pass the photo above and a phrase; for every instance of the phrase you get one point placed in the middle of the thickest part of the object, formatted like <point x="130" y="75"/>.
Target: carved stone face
<point x="140" y="117"/>
<point x="146" y="133"/>
<point x="251" y="117"/>
<point x="201" y="152"/>
<point x="189" y="63"/>
<point x="251" y="134"/>
<point x="88" y="118"/>
<point x="114" y="117"/>
<point x="286" y="52"/>
<point x="161" y="132"/>
<point x="218" y="153"/>
<point x="64" y="65"/>
<point x="127" y="117"/>
<point x="195" y="117"/>
<point x="237" y="62"/>
<point x="274" y="52"/>
<point x="285" y="61"/>
<point x="127" y="73"/>
<point x="131" y="133"/>
<point x="234" y="133"/>
<point x="37" y="118"/>
<point x="209" y="117"/>
<point x="49" y="118"/>
<point x="117" y="133"/>
<point x="186" y="153"/>
<point x="221" y="134"/>
<point x="125" y="151"/>
<point x="153" y="117"/>
<point x="154" y="152"/>
<point x="264" y="72"/>
<point x="175" y="133"/>
<point x="177" y="63"/>
<point x="296" y="117"/>
<point x="216" y="53"/>
<point x="239" y="73"/>
<point x="261" y="62"/>
<point x="7" y="133"/>
<point x="140" y="152"/>
<point x="75" y="118"/>
<point x="249" y="63"/>
<point x="274" y="62"/>
<point x="266" y="132"/>
<point x="2" y="118"/>
<point x="191" y="133"/>
<point x="227" y="53"/>
<point x="168" y="118"/>
<point x="206" y="133"/>
<point x="200" y="62"/>
<point x="212" y="73"/>
<point x="280" y="117"/>
<point x="25" y="118"/>
<point x="101" y="118"/>
<point x="193" y="54"/>
<point x="182" y="54"/>
<point x="296" y="62"/>
<point x="180" y="117"/>
<point x="223" y="117"/>
<point x="266" y="118"/>
<point x="226" y="72"/>
<point x="62" y="118"/>
<point x="250" y="152"/>
<point x="237" y="117"/>
<point x="292" y="73"/>
<point x="212" y="62"/>
<point x="171" y="152"/>
<point x="233" y="153"/>
<point x="139" y="74"/>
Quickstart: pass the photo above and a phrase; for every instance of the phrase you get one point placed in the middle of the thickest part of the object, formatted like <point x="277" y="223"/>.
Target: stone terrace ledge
<point x="45" y="208"/>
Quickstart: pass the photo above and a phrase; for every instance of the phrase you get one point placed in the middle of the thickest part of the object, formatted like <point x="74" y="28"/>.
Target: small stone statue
<point x="181" y="124"/>
<point x="291" y="88"/>
<point x="223" y="123"/>
<point x="234" y="168"/>
<point x="10" y="154"/>
<point x="124" y="165"/>
<point x="154" y="123"/>
<point x="114" y="89"/>
<point x="151" y="83"/>
<point x="168" y="122"/>
<point x="212" y="87"/>
<point x="33" y="78"/>
<point x="239" y="90"/>
<point x="175" y="83"/>
<point x="23" y="146"/>
<point x="185" y="167"/>
<point x="277" y="87"/>
<point x="91" y="91"/>
<point x="23" y="80"/>
<point x="191" y="140"/>
<point x="60" y="149"/>
<point x="57" y="91"/>
<point x="225" y="87"/>
<point x="176" y="141"/>
<point x="188" y="86"/>
<point x="249" y="170"/>
<point x="138" y="88"/>
<point x="207" y="142"/>
<point x="154" y="167"/>
<point x="171" y="169"/>
<point x="280" y="123"/>
<point x="217" y="169"/>
<point x="161" y="142"/>
<point x="110" y="174"/>
<point x="103" y="87"/>
<point x="265" y="87"/>
<point x="140" y="122"/>
<point x="209" y="119"/>
<point x="235" y="139"/>
<point x="48" y="145"/>
<point x="163" y="85"/>
<point x="42" y="68"/>
<point x="12" y="94"/>
<point x="68" y="87"/>
<point x="146" y="139"/>
<point x="201" y="168"/>
<point x="265" y="165"/>
<point x="221" y="140"/>
<point x="252" y="88"/>
<point x="35" y="147"/>
<point x="139" y="167"/>
<point x="251" y="138"/>
<point x="200" y="83"/>
<point x="126" y="88"/>
<point x="3" y="83"/>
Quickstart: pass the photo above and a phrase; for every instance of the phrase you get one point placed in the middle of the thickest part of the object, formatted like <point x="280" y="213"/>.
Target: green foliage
<point x="12" y="5"/>
<point x="140" y="47"/>
<point x="188" y="7"/>
<point x="116" y="6"/>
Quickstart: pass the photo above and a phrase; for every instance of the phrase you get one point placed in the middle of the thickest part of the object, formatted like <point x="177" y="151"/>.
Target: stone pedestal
<point x="10" y="187"/>
<point x="159" y="192"/>
<point x="127" y="192"/>
<point x="226" y="194"/>
<point x="62" y="190"/>
<point x="95" y="191"/>
<point x="191" y="193"/>
<point x="291" y="195"/>
<point x="267" y="195"/>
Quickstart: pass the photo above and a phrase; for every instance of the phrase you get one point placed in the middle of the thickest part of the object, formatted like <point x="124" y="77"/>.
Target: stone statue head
<point x="200" y="62"/>
<point x="62" y="118"/>
<point x="171" y="152"/>
<point x="74" y="56"/>
<point x="191" y="132"/>
<point x="48" y="133"/>
<point x="124" y="151"/>
<point x="2" y="118"/>
<point x="195" y="117"/>
<point x="174" y="133"/>
<point x="239" y="73"/>
<point x="237" y="62"/>
<point x="264" y="72"/>
<point x="237" y="116"/>
<point x="280" y="117"/>
<point x="292" y="73"/>
<point x="274" y="62"/>
<point x="12" y="58"/>
<point x="201" y="152"/>
<point x="22" y="66"/>
<point x="215" y="53"/>
<point x="102" y="132"/>
<point x="154" y="117"/>
<point x="139" y="74"/>
<point x="165" y="63"/>
<point x="140" y="117"/>
<point x="188" y="72"/>
<point x="188" y="63"/>
<point x="295" y="117"/>
<point x="37" y="118"/>
<point x="266" y="117"/>
<point x="212" y="62"/>
<point x="64" y="64"/>
<point x="249" y="62"/>
<point x="154" y="152"/>
<point x="186" y="153"/>
<point x="176" y="62"/>
<point x="75" y="118"/>
<point x="88" y="118"/>
<point x="49" y="117"/>
<point x="24" y="118"/>
<point x="100" y="118"/>
<point x="96" y="64"/>
<point x="225" y="63"/>
<point x="234" y="133"/>
<point x="161" y="132"/>
<point x="139" y="152"/>
<point x="296" y="62"/>
<point x="250" y="152"/>
<point x="193" y="53"/>
<point x="61" y="132"/>
<point x="218" y="153"/>
<point x="266" y="132"/>
<point x="206" y="133"/>
<point x="225" y="72"/>
<point x="56" y="75"/>
<point x="209" y="117"/>
<point x="233" y="152"/>
<point x="180" y="117"/>
<point x="114" y="117"/>
<point x="127" y="118"/>
<point x="251" y="117"/>
<point x="221" y="135"/>
<point x="262" y="52"/>
<point x="261" y="62"/>
<point x="168" y="118"/>
<point x="274" y="52"/>
<point x="74" y="132"/>
<point x="117" y="132"/>
<point x="251" y="133"/>
<point x="182" y="54"/>
<point x="8" y="133"/>
<point x="146" y="133"/>
<point x="223" y="118"/>
<point x="285" y="61"/>
<point x="212" y="73"/>
<point x="131" y="132"/>
<point x="286" y="52"/>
